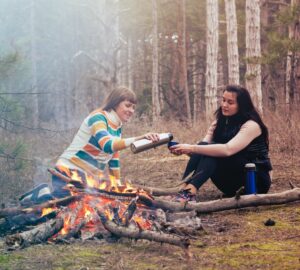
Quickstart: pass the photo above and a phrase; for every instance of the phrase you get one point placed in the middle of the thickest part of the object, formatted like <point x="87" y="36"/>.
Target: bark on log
<point x="21" y="222"/>
<point x="230" y="203"/>
<point x="159" y="191"/>
<point x="39" y="234"/>
<point x="37" y="208"/>
<point x="148" y="235"/>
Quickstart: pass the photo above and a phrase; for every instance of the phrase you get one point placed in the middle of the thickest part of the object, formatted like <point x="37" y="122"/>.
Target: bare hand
<point x="180" y="149"/>
<point x="154" y="137"/>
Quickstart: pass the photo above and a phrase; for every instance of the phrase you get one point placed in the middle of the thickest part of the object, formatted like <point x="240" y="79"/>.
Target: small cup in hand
<point x="172" y="143"/>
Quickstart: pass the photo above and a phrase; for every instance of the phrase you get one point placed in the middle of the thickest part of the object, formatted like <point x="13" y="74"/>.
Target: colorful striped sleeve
<point x="114" y="165"/>
<point x="100" y="130"/>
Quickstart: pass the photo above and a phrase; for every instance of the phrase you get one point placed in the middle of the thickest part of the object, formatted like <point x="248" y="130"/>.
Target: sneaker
<point x="185" y="195"/>
<point x="38" y="194"/>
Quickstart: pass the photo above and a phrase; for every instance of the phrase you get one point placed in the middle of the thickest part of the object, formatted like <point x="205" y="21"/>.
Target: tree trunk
<point x="155" y="89"/>
<point x="292" y="63"/>
<point x="183" y="80"/>
<point x="212" y="47"/>
<point x="232" y="42"/>
<point x="253" y="52"/>
<point x="35" y="103"/>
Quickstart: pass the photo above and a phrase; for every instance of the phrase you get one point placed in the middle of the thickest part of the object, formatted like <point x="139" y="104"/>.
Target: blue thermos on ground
<point x="250" y="178"/>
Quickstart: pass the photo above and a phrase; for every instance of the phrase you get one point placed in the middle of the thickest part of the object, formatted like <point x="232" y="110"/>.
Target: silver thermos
<point x="144" y="144"/>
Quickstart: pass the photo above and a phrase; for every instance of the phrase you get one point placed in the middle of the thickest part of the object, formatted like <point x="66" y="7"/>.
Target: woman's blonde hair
<point x="118" y="95"/>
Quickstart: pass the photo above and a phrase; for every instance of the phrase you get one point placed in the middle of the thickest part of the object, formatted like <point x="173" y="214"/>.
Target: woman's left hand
<point x="180" y="149"/>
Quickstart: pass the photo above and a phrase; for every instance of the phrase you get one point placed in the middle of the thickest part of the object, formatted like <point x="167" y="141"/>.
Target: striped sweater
<point x="96" y="144"/>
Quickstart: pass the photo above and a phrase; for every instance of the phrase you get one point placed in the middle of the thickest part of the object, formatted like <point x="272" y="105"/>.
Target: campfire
<point x="95" y="209"/>
<point x="104" y="209"/>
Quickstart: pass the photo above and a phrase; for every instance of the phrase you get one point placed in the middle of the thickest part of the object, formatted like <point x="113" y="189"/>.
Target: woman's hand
<point x="180" y="149"/>
<point x="154" y="137"/>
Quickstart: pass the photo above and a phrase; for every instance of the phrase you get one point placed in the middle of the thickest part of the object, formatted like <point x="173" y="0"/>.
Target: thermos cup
<point x="172" y="143"/>
<point x="144" y="144"/>
<point x="250" y="178"/>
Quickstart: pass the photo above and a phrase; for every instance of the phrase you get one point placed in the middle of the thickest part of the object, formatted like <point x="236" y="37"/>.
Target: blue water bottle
<point x="250" y="178"/>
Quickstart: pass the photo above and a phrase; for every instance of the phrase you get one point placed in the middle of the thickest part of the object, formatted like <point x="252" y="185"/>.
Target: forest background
<point x="58" y="60"/>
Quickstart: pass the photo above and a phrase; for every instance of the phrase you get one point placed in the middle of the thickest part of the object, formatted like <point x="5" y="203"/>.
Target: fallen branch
<point x="230" y="203"/>
<point x="39" y="234"/>
<point x="159" y="191"/>
<point x="139" y="234"/>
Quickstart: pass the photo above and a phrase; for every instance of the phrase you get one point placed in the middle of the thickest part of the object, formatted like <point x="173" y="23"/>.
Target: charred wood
<point x="37" y="208"/>
<point x="39" y="234"/>
<point x="74" y="232"/>
<point x="21" y="222"/>
<point x="140" y="234"/>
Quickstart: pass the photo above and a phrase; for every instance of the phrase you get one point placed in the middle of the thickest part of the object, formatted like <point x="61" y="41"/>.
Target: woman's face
<point x="229" y="103"/>
<point x="125" y="110"/>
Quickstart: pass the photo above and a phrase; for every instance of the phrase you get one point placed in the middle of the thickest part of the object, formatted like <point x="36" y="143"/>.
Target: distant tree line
<point x="177" y="55"/>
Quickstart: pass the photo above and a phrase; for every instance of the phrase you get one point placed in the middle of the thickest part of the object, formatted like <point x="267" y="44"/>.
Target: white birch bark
<point x="155" y="92"/>
<point x="212" y="46"/>
<point x="232" y="42"/>
<point x="253" y="52"/>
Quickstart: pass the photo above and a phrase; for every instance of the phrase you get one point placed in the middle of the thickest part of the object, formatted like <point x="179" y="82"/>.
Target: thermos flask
<point x="144" y="144"/>
<point x="250" y="178"/>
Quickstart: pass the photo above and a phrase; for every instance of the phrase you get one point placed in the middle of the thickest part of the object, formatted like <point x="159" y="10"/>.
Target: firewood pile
<point x="108" y="210"/>
<point x="94" y="212"/>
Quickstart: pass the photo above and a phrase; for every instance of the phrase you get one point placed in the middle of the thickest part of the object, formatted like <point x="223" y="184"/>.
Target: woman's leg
<point x="203" y="167"/>
<point x="230" y="175"/>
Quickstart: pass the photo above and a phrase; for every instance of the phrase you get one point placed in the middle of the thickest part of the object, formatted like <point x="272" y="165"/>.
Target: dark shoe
<point x="185" y="195"/>
<point x="38" y="194"/>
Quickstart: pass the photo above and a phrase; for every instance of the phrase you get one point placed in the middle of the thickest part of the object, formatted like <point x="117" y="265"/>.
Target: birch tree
<point x="253" y="52"/>
<point x="155" y="89"/>
<point x="232" y="42"/>
<point x="212" y="44"/>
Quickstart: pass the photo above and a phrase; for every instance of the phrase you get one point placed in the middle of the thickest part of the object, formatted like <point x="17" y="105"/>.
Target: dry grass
<point x="234" y="239"/>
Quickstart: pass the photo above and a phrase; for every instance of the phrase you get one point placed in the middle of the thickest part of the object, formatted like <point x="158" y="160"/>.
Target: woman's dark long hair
<point x="246" y="111"/>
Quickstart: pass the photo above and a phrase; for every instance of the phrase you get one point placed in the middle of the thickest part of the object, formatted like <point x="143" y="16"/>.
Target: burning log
<point x="21" y="222"/>
<point x="140" y="234"/>
<point x="39" y="234"/>
<point x="124" y="196"/>
<point x="73" y="232"/>
<point x="37" y="208"/>
<point x="230" y="203"/>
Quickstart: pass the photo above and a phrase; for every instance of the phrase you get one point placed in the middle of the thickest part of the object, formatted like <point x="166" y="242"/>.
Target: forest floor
<point x="233" y="239"/>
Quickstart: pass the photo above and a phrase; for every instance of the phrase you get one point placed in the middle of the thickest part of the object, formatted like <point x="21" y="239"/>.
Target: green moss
<point x="7" y="259"/>
<point x="256" y="254"/>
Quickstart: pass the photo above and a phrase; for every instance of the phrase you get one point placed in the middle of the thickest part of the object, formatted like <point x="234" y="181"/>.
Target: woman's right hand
<point x="152" y="136"/>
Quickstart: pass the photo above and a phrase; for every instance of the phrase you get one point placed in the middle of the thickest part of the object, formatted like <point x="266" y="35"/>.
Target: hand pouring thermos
<point x="144" y="144"/>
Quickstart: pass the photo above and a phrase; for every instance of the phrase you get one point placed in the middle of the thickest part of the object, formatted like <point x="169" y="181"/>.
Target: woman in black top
<point x="237" y="136"/>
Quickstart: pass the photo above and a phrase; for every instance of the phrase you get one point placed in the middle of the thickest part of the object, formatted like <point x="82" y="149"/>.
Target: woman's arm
<point x="248" y="132"/>
<point x="210" y="132"/>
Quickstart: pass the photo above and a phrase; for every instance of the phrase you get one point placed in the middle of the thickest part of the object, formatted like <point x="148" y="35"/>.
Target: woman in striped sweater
<point x="237" y="136"/>
<point x="98" y="141"/>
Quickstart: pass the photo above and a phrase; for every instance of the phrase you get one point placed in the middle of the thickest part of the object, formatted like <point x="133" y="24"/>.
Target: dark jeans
<point x="57" y="185"/>
<point x="228" y="173"/>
